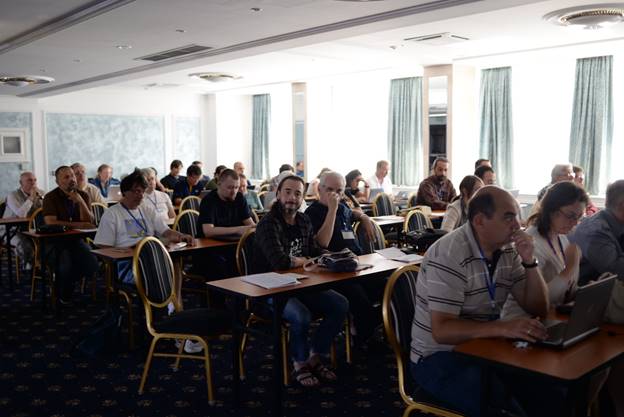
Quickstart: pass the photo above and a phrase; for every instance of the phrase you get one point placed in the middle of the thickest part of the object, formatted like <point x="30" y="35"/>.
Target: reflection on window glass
<point x="11" y="145"/>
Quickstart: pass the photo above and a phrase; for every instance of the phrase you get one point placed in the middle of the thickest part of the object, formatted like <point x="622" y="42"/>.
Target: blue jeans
<point x="300" y="311"/>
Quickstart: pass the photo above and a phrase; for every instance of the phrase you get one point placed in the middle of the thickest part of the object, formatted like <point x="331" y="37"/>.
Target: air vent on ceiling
<point x="24" y="80"/>
<point x="215" y="77"/>
<point x="438" y="39"/>
<point x="591" y="16"/>
<point x="173" y="53"/>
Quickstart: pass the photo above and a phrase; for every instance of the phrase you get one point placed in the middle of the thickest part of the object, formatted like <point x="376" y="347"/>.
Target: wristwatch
<point x="530" y="265"/>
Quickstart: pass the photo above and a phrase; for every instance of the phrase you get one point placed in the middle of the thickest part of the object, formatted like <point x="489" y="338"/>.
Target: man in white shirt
<point x="381" y="178"/>
<point x="159" y="201"/>
<point x="127" y="223"/>
<point x="22" y="203"/>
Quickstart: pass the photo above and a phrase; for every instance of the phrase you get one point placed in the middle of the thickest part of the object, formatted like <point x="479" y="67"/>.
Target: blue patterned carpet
<point x="42" y="375"/>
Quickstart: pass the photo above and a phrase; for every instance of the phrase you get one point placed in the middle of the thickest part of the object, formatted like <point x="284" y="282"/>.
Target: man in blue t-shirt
<point x="332" y="221"/>
<point x="191" y="185"/>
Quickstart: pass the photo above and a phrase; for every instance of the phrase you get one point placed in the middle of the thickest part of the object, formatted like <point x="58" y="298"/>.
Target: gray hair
<point x="615" y="194"/>
<point x="332" y="174"/>
<point x="558" y="170"/>
<point x="146" y="172"/>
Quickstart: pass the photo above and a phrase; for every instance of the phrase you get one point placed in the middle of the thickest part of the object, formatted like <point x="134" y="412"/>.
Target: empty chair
<point x="186" y="222"/>
<point x="416" y="220"/>
<point x="191" y="202"/>
<point x="367" y="245"/>
<point x="98" y="211"/>
<point x="383" y="205"/>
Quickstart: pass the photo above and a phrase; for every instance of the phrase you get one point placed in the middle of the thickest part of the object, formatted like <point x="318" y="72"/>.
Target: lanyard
<point x="153" y="201"/>
<point x="142" y="226"/>
<point x="560" y="247"/>
<point x="71" y="209"/>
<point x="489" y="279"/>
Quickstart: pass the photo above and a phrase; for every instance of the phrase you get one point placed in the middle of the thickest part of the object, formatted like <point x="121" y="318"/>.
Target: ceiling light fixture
<point x="181" y="30"/>
<point x="256" y="9"/>
<point x="591" y="16"/>
<point x="215" y="77"/>
<point x="123" y="46"/>
<point x="24" y="80"/>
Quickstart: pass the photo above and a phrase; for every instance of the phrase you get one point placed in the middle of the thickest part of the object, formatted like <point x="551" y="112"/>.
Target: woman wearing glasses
<point x="560" y="210"/>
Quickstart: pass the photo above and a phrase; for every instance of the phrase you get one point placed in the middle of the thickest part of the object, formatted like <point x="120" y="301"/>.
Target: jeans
<point x="73" y="260"/>
<point x="455" y="381"/>
<point x="300" y="311"/>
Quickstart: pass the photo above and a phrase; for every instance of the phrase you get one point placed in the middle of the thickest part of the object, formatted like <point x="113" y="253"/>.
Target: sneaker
<point x="190" y="346"/>
<point x="170" y="309"/>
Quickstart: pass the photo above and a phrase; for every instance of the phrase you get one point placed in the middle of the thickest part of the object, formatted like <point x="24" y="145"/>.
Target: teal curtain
<point x="496" y="133"/>
<point x="405" y="130"/>
<point x="591" y="132"/>
<point x="260" y="136"/>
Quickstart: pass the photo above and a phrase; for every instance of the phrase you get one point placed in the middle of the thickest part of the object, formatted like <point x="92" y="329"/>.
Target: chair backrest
<point x="424" y="209"/>
<point x="416" y="220"/>
<point x="153" y="275"/>
<point x="398" y="307"/>
<point x="254" y="216"/>
<point x="411" y="200"/>
<point x="244" y="252"/>
<point x="186" y="222"/>
<point x="266" y="198"/>
<point x="98" y="211"/>
<point x="367" y="245"/>
<point x="264" y="187"/>
<point x="191" y="202"/>
<point x="36" y="219"/>
<point x="383" y="205"/>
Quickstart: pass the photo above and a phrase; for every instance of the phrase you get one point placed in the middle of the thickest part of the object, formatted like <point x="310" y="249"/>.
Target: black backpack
<point x="104" y="337"/>
<point x="421" y="240"/>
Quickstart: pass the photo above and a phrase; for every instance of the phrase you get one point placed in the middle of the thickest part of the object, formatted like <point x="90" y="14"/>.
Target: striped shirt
<point x="453" y="280"/>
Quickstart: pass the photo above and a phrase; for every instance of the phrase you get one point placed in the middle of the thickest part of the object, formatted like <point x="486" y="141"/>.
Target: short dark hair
<point x="242" y="176"/>
<point x="480" y="171"/>
<point x="176" y="163"/>
<point x="351" y="176"/>
<point x="290" y="177"/>
<point x="576" y="169"/>
<point x="133" y="179"/>
<point x="558" y="195"/>
<point x="468" y="184"/>
<point x="286" y="167"/>
<point x="218" y="170"/>
<point x="438" y="160"/>
<point x="479" y="161"/>
<point x="59" y="169"/>
<point x="227" y="172"/>
<point x="197" y="163"/>
<point x="481" y="202"/>
<point x="103" y="167"/>
<point x="193" y="170"/>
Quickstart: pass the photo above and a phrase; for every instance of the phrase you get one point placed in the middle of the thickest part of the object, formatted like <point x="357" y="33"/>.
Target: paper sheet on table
<point x="397" y="254"/>
<point x="271" y="280"/>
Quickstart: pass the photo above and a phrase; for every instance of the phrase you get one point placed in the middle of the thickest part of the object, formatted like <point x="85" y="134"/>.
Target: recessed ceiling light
<point x="123" y="46"/>
<point x="256" y="9"/>
<point x="215" y="77"/>
<point x="24" y="80"/>
<point x="77" y="60"/>
<point x="181" y="30"/>
<point x="591" y="16"/>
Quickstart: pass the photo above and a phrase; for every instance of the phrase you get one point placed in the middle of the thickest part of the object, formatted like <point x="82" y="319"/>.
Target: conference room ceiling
<point x="85" y="44"/>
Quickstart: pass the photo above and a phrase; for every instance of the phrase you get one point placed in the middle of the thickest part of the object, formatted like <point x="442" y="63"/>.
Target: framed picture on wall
<point x="13" y="145"/>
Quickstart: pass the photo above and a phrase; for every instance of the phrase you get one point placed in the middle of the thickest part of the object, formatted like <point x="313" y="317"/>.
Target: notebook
<point x="587" y="314"/>
<point x="272" y="280"/>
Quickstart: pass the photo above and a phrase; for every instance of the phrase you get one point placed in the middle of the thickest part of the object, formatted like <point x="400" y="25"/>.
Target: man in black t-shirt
<point x="170" y="180"/>
<point x="332" y="222"/>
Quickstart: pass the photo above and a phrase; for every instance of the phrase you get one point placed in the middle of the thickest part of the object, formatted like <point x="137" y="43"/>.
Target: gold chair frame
<point x="186" y="199"/>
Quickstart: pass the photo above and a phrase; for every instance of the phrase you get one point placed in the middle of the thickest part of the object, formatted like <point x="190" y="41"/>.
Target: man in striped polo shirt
<point x="464" y="281"/>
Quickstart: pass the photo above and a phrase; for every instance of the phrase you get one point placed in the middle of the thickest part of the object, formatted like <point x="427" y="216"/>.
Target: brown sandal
<point x="323" y="372"/>
<point x="305" y="377"/>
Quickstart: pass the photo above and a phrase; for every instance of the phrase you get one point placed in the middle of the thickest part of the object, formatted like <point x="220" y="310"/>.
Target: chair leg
<point x="176" y="364"/>
<point x="285" y="335"/>
<point x="348" y="340"/>
<point x="17" y="269"/>
<point x="408" y="411"/>
<point x="332" y="355"/>
<point x="241" y="352"/>
<point x="130" y="318"/>
<point x="208" y="367"/>
<point x="148" y="363"/>
<point x="32" y="285"/>
<point x="94" y="288"/>
<point x="82" y="285"/>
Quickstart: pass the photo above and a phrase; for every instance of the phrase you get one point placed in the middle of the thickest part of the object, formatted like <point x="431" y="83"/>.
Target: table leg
<point x="577" y="398"/>
<point x="278" y="370"/>
<point x="7" y="238"/>
<point x="236" y="337"/>
<point x="43" y="272"/>
<point x="485" y="390"/>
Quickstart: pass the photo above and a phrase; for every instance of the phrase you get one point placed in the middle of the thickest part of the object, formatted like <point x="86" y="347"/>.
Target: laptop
<point x="587" y="314"/>
<point x="373" y="193"/>
<point x="401" y="195"/>
<point x="204" y="193"/>
<point x="114" y="193"/>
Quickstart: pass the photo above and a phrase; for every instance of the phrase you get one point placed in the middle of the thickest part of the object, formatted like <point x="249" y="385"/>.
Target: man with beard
<point x="284" y="240"/>
<point x="436" y="191"/>
<point x="68" y="206"/>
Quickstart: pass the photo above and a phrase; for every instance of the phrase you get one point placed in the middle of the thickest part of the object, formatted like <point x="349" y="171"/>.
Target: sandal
<point x="305" y="377"/>
<point x="323" y="372"/>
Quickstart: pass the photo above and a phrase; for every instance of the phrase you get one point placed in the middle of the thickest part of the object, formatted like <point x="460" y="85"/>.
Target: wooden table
<point x="572" y="367"/>
<point x="42" y="239"/>
<point x="317" y="280"/>
<point x="11" y="223"/>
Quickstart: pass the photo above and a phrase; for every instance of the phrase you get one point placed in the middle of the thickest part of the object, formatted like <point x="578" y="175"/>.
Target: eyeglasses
<point x="573" y="217"/>
<point x="138" y="190"/>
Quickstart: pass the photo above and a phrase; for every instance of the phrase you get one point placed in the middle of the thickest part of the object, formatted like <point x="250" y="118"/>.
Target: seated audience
<point x="332" y="222"/>
<point x="579" y="178"/>
<point x="463" y="283"/>
<point x="253" y="201"/>
<point x="22" y="203"/>
<point x="354" y="178"/>
<point x="274" y="181"/>
<point x="487" y="175"/>
<point x="81" y="181"/>
<point x="191" y="185"/>
<point x="212" y="185"/>
<point x="170" y="180"/>
<point x="457" y="212"/>
<point x="205" y="179"/>
<point x="560" y="172"/>
<point x="104" y="179"/>
<point x="381" y="179"/>
<point x="127" y="223"/>
<point x="560" y="210"/>
<point x="158" y="185"/>
<point x="284" y="240"/>
<point x="154" y="199"/>
<point x="483" y="162"/>
<point x="299" y="171"/>
<point x="312" y="190"/>
<point x="68" y="206"/>
<point x="239" y="167"/>
<point x="279" y="178"/>
<point x="436" y="191"/>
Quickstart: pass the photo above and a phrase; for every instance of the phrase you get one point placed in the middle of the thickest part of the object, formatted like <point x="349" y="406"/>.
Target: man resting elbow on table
<point x="464" y="281"/>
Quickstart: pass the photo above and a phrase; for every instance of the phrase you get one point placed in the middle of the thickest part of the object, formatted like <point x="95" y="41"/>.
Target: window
<point x="12" y="145"/>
